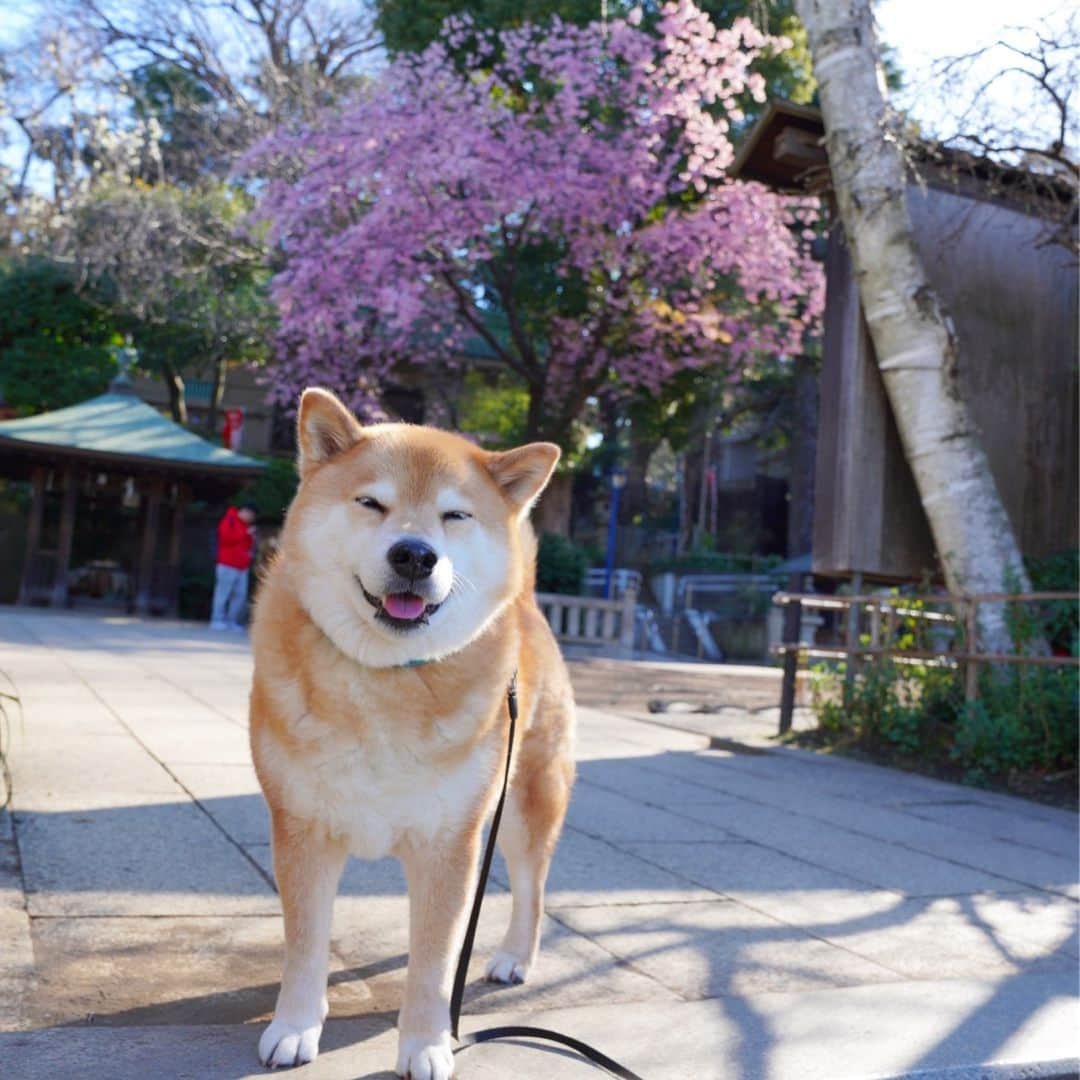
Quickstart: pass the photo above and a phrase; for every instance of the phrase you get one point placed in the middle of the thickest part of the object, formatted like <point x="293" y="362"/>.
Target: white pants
<point x="230" y="595"/>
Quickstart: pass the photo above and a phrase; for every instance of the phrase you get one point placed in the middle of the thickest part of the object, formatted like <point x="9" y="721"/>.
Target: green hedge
<point x="718" y="562"/>
<point x="560" y="565"/>
<point x="1023" y="721"/>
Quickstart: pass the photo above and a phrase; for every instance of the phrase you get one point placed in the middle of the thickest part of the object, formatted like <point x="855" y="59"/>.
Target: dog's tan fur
<point x="357" y="753"/>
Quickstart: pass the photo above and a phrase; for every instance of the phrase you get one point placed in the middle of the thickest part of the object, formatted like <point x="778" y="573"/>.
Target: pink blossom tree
<point x="560" y="194"/>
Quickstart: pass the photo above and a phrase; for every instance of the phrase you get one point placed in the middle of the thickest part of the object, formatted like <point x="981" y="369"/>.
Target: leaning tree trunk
<point x="217" y="394"/>
<point x="916" y="346"/>
<point x="174" y="385"/>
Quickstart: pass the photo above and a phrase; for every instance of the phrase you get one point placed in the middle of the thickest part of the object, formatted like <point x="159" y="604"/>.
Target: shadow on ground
<point x="674" y="889"/>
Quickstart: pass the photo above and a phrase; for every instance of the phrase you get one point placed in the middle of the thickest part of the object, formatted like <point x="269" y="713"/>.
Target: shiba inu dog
<point x="385" y="635"/>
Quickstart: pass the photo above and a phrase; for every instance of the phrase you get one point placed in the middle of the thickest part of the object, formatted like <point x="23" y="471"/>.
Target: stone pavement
<point x="744" y="913"/>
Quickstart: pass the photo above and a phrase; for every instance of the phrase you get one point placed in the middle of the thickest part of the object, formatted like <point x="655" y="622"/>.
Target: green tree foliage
<point x="55" y="344"/>
<point x="495" y="410"/>
<point x="192" y="143"/>
<point x="170" y="264"/>
<point x="560" y="565"/>
<point x="411" y="25"/>
<point x="271" y="491"/>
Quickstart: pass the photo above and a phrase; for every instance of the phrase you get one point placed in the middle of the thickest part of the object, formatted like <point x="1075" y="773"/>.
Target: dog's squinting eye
<point x="368" y="503"/>
<point x="456" y="515"/>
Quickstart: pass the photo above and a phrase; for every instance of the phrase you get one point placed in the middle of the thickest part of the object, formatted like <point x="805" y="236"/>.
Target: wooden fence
<point x="883" y="614"/>
<point x="590" y="620"/>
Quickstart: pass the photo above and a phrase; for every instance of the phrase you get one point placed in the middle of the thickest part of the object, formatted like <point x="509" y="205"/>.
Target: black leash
<point x="510" y="1031"/>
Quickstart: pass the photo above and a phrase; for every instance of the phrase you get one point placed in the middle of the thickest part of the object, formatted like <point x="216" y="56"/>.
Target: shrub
<point x="272" y="491"/>
<point x="196" y="592"/>
<point x="1061" y="618"/>
<point x="886" y="710"/>
<point x="718" y="562"/>
<point x="1024" y="719"/>
<point x="560" y="565"/>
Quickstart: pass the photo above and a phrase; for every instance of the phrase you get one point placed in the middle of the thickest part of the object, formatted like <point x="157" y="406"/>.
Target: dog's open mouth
<point x="402" y="610"/>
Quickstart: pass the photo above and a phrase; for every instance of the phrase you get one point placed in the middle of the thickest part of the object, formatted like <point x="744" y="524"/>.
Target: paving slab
<point x="1058" y="836"/>
<point x="848" y="1033"/>
<point x="865" y="858"/>
<point x="761" y="812"/>
<point x="613" y="816"/>
<point x="716" y="907"/>
<point x="954" y="938"/>
<point x="588" y="870"/>
<point x="205" y="970"/>
<point x="158" y="858"/>
<point x="710" y="950"/>
<point x="732" y="869"/>
<point x="627" y="776"/>
<point x="92" y="768"/>
<point x="17" y="969"/>
<point x="230" y="794"/>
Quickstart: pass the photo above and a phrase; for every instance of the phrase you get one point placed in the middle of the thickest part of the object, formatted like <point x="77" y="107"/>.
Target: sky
<point x="920" y="31"/>
<point x="926" y="29"/>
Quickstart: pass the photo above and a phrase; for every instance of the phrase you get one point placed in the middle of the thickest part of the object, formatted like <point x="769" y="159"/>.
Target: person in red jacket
<point x="235" y="549"/>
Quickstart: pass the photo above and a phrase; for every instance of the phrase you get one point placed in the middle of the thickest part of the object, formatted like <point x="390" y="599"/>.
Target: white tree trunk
<point x="914" y="339"/>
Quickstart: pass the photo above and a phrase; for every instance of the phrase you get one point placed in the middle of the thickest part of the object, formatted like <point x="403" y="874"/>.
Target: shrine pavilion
<point x="111" y="478"/>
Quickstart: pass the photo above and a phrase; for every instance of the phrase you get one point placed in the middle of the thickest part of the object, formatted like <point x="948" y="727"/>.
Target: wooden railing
<point x="883" y="614"/>
<point x="590" y="620"/>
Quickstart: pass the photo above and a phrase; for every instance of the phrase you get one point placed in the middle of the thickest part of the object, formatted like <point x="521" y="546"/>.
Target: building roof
<point x="116" y="427"/>
<point x="785" y="150"/>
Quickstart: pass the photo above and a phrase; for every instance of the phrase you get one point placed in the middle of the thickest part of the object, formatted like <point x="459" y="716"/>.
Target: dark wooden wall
<point x="1014" y="304"/>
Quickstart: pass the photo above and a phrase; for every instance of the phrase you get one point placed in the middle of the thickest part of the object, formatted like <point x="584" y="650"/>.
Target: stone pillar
<point x="33" y="535"/>
<point x="148" y="546"/>
<point x="67" y="535"/>
<point x="176" y="538"/>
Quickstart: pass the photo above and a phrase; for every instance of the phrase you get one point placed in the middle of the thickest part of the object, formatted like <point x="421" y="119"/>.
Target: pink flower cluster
<point x="559" y="193"/>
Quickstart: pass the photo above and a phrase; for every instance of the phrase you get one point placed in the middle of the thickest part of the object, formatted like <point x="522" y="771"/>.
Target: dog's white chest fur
<point x="376" y="792"/>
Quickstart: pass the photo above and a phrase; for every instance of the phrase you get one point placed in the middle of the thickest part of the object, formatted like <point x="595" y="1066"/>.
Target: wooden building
<point x="111" y="478"/>
<point x="981" y="231"/>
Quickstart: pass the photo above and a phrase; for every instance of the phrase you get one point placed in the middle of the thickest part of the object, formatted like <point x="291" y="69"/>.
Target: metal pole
<point x="792" y="636"/>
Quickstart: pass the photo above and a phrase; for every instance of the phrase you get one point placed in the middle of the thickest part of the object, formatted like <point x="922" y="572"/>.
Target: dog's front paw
<point x="284" y="1044"/>
<point x="505" y="967"/>
<point x="425" y="1059"/>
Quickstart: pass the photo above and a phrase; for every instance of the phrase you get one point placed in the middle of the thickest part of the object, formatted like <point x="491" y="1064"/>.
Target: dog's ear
<point x="324" y="429"/>
<point x="523" y="473"/>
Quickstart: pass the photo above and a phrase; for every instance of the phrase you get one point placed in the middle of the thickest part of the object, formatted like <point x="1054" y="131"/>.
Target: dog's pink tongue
<point x="404" y="606"/>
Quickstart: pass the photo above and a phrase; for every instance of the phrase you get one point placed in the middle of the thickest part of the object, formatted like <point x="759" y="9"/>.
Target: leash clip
<point x="512" y="697"/>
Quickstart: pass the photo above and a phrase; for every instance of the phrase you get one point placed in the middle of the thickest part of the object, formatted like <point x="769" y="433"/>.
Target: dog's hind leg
<point x="530" y="827"/>
<point x="307" y="867"/>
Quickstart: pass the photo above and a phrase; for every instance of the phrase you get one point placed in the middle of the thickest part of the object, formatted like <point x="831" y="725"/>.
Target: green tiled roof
<point x="121" y="425"/>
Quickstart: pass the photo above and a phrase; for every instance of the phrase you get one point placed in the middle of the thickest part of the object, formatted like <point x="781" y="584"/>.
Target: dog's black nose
<point x="413" y="559"/>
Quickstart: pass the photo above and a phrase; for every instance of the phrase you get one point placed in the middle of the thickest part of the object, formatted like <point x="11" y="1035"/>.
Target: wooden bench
<point x="591" y="620"/>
